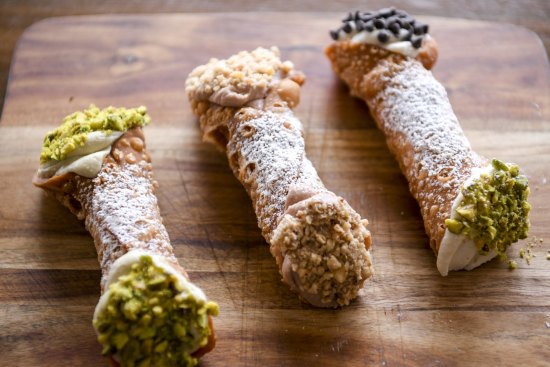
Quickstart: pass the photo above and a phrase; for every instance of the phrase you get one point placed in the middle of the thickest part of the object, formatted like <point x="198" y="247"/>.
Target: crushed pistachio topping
<point x="512" y="264"/>
<point x="151" y="319"/>
<point x="75" y="128"/>
<point x="494" y="210"/>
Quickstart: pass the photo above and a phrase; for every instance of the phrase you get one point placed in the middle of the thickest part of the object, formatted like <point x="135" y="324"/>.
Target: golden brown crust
<point x="417" y="121"/>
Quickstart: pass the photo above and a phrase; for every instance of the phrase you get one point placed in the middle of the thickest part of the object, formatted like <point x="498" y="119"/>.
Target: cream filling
<point x="458" y="252"/>
<point x="123" y="266"/>
<point x="85" y="160"/>
<point x="394" y="44"/>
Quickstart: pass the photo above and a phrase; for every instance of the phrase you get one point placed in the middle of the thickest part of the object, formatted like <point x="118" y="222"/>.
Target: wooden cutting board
<point x="498" y="80"/>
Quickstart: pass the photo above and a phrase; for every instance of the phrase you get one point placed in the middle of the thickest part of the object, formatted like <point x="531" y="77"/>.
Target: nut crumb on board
<point x="527" y="253"/>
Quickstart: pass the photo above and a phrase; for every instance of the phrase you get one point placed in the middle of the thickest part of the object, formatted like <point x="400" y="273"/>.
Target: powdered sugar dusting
<point x="423" y="132"/>
<point x="272" y="152"/>
<point x="122" y="213"/>
<point x="419" y="109"/>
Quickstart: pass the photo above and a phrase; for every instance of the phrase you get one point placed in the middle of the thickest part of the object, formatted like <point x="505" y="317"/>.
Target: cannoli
<point x="244" y="104"/>
<point x="473" y="208"/>
<point x="149" y="313"/>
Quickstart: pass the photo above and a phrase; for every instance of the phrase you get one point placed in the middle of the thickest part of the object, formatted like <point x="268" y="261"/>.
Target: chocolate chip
<point x="383" y="36"/>
<point x="359" y="25"/>
<point x="365" y="17"/>
<point x="398" y="21"/>
<point x="347" y="28"/>
<point x="369" y="26"/>
<point x="394" y="28"/>
<point x="357" y="15"/>
<point x="420" y="28"/>
<point x="408" y="36"/>
<point x="407" y="26"/>
<point x="391" y="19"/>
<point x="417" y="42"/>
<point x="400" y="13"/>
<point x="386" y="12"/>
<point x="334" y="35"/>
<point x="348" y="18"/>
<point x="379" y="23"/>
<point x="409" y="19"/>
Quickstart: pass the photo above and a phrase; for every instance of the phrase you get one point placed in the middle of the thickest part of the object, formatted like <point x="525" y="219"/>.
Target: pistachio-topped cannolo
<point x="473" y="208"/>
<point x="149" y="314"/>
<point x="244" y="105"/>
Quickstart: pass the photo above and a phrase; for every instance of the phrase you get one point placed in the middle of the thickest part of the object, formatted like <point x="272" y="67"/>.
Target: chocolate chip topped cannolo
<point x="149" y="314"/>
<point x="244" y="105"/>
<point x="473" y="208"/>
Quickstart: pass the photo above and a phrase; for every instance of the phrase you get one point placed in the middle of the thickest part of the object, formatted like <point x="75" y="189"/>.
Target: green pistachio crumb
<point x="499" y="165"/>
<point x="494" y="209"/>
<point x="512" y="264"/>
<point x="454" y="226"/>
<point x="75" y="128"/>
<point x="149" y="322"/>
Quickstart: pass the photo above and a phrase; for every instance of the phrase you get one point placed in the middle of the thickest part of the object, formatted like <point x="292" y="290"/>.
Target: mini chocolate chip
<point x="383" y="36"/>
<point x="386" y="12"/>
<point x="394" y="28"/>
<point x="409" y="19"/>
<point x="379" y="23"/>
<point x="359" y="25"/>
<point x="391" y="19"/>
<point x="420" y="28"/>
<point x="357" y="15"/>
<point x="398" y="21"/>
<point x="369" y="26"/>
<point x="347" y="28"/>
<point x="334" y="35"/>
<point x="348" y="18"/>
<point x="417" y="42"/>
<point x="407" y="26"/>
<point x="367" y="16"/>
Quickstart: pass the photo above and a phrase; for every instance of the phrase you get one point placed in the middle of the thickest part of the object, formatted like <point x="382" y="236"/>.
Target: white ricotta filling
<point x="457" y="251"/>
<point x="85" y="160"/>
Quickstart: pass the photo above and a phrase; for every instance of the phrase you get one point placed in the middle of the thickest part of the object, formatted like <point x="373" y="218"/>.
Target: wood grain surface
<point x="17" y="15"/>
<point x="498" y="79"/>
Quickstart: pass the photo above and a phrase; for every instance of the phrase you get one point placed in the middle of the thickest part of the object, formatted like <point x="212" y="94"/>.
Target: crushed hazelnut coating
<point x="151" y="319"/>
<point x="72" y="133"/>
<point x="235" y="81"/>
<point x="326" y="243"/>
